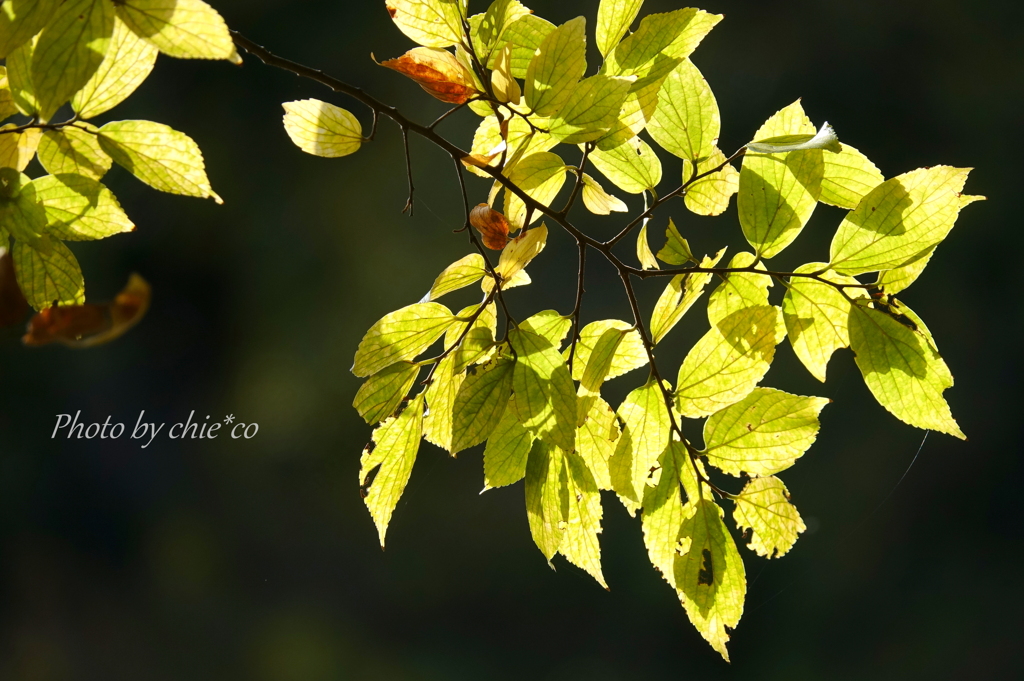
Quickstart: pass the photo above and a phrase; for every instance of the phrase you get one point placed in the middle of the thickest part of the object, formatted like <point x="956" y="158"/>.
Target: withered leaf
<point x="85" y="326"/>
<point x="491" y="224"/>
<point x="13" y="306"/>
<point x="437" y="71"/>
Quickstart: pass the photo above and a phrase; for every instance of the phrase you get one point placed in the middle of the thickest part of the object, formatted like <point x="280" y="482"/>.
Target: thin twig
<point x="579" y="303"/>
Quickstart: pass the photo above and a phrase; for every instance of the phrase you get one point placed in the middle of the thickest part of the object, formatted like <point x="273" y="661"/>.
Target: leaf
<point x="86" y="326"/>
<point x="902" y="370"/>
<point x="401" y="335"/>
<point x="437" y="71"/>
<point x="186" y="29"/>
<point x="591" y="110"/>
<point x="764" y="433"/>
<point x="503" y="85"/>
<point x="7" y="106"/>
<point x="392" y="454"/>
<point x="679" y="296"/>
<point x="596" y="440"/>
<point x="545" y="476"/>
<point x="127" y="63"/>
<point x="379" y="397"/>
<point x="660" y="43"/>
<point x="48" y="277"/>
<point x="541" y="176"/>
<point x="439" y="419"/>
<point x="79" y="208"/>
<point x="646" y="433"/>
<point x="431" y="23"/>
<point x="518" y="254"/>
<point x="478" y="343"/>
<point x="20" y="214"/>
<point x="739" y="290"/>
<point x="17" y="149"/>
<point x="506" y="452"/>
<point x="710" y="578"/>
<point x="675" y="251"/>
<point x="824" y="138"/>
<point x="545" y="398"/>
<point x="710" y="194"/>
<point x="463" y="272"/>
<point x="19" y="78"/>
<point x="549" y="324"/>
<point x="322" y="129"/>
<point x="816" y="316"/>
<point x="598" y="366"/>
<point x="580" y="544"/>
<point x="643" y="250"/>
<point x="480" y="403"/>
<point x="899" y="221"/>
<point x="849" y="176"/>
<point x="663" y="514"/>
<point x="598" y="201"/>
<point x="165" y="159"/>
<point x="559" y="63"/>
<point x="21" y="20"/>
<point x="487" y="29"/>
<point x="764" y="507"/>
<point x="74" y="149"/>
<point x="491" y="224"/>
<point x="614" y="18"/>
<point x="729" y="361"/>
<point x="686" y="122"/>
<point x="629" y="355"/>
<point x="525" y="35"/>
<point x="632" y="165"/>
<point x="778" y="192"/>
<point x="514" y="138"/>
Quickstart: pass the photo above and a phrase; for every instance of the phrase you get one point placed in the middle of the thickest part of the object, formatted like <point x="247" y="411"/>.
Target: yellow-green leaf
<point x="549" y="324"/>
<point x="686" y="122"/>
<point x="506" y="452"/>
<point x="518" y="254"/>
<point x="598" y="201"/>
<point x="679" y="295"/>
<point x="764" y="508"/>
<point x="545" y="483"/>
<point x="186" y="29"/>
<point x="480" y="403"/>
<point x="643" y="250"/>
<point x="165" y="159"/>
<point x="392" y="455"/>
<point x="646" y="433"/>
<point x="379" y="397"/>
<point x="127" y="63"/>
<point x="663" y="514"/>
<point x="322" y="129"/>
<point x="74" y="149"/>
<point x="17" y="149"/>
<point x="596" y="440"/>
<point x="19" y="78"/>
<point x="580" y="544"/>
<point x="439" y="420"/>
<point x="525" y="35"/>
<point x="541" y="176"/>
<point x="710" y="194"/>
<point x="598" y="366"/>
<point x="630" y="164"/>
<point x="545" y="398"/>
<point x="7" y="106"/>
<point x="21" y="20"/>
<point x="660" y="43"/>
<point x="478" y="343"/>
<point x="460" y="274"/>
<point x="739" y="290"/>
<point x="614" y="18"/>
<point x="50" y="276"/>
<point x="487" y="29"/>
<point x="676" y="250"/>
<point x="630" y="353"/>
<point x="522" y="140"/>
<point x="431" y="23"/>
<point x="560" y="61"/>
<point x="591" y="110"/>
<point x="849" y="176"/>
<point x="79" y="208"/>
<point x="401" y="335"/>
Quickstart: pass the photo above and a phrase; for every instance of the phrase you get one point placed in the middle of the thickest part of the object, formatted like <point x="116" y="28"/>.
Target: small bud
<point x="491" y="224"/>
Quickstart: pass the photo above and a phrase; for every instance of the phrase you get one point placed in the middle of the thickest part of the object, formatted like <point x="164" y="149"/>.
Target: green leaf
<point x="79" y="208"/>
<point x="686" y="122"/>
<point x="480" y="403"/>
<point x="19" y="78"/>
<point x="643" y="250"/>
<point x="629" y="355"/>
<point x="902" y="370"/>
<point x="598" y="201"/>
<point x="590" y="110"/>
<point x="764" y="433"/>
<point x="675" y="251"/>
<point x="560" y="61"/>
<point x="517" y="255"/>
<point x="595" y="441"/>
<point x="127" y="63"/>
<point x="487" y="29"/>
<point x="710" y="194"/>
<point x="21" y="20"/>
<point x="849" y="177"/>
<point x="74" y="149"/>
<point x="614" y="17"/>
<point x="478" y="344"/>
<point x="545" y="399"/>
<point x="899" y="221"/>
<point x="463" y="272"/>
<point x="431" y="23"/>
<point x="165" y="159"/>
<point x="379" y="397"/>
<point x="439" y="420"/>
<point x="660" y="43"/>
<point x="631" y="165"/>
<point x="48" y="277"/>
<point x="764" y="508"/>
<point x="549" y="324"/>
<point x="21" y="215"/>
<point x="678" y="297"/>
<point x="545" y="482"/>
<point x="663" y="514"/>
<point x="322" y="129"/>
<point x="710" y="578"/>
<point x="824" y="138"/>
<point x="7" y="106"/>
<point x="186" y="29"/>
<point x="816" y="316"/>
<point x="506" y="452"/>
<point x="541" y="176"/>
<point x="739" y="290"/>
<point x="392" y="454"/>
<point x="580" y="544"/>
<point x="70" y="50"/>
<point x="778" y="192"/>
<point x="598" y="366"/>
<point x="729" y="361"/>
<point x="646" y="433"/>
<point x="522" y="140"/>
<point x="401" y="335"/>
<point x="17" y="149"/>
<point x="525" y="35"/>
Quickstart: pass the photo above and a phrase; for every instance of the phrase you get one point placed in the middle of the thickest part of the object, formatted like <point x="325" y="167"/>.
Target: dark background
<point x="257" y="560"/>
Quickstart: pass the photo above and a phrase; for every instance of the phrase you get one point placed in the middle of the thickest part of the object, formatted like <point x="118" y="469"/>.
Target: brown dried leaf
<point x="437" y="71"/>
<point x="491" y="224"/>
<point x="13" y="306"/>
<point x="85" y="326"/>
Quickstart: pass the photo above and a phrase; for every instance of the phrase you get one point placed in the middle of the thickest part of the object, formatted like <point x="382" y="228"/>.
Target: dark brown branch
<point x="409" y="206"/>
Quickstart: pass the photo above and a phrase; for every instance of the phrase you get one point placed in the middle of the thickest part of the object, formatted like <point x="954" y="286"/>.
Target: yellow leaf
<point x="322" y="129"/>
<point x="186" y="29"/>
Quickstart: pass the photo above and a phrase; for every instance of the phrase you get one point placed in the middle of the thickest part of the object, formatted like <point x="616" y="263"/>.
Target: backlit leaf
<point x="439" y="419"/>
<point x="675" y="251"/>
<point x="506" y="452"/>
<point x="545" y="483"/>
<point x="580" y="544"/>
<point x="463" y="272"/>
<point x="20" y="20"/>
<point x="598" y="366"/>
<point x="663" y="514"/>
<point x="74" y="149"/>
<point x="645" y="435"/>
<point x="186" y="29"/>
<point x="686" y="122"/>
<point x="614" y="18"/>
<point x="764" y="508"/>
<point x="525" y="34"/>
<point x="545" y="398"/>
<point x="549" y="324"/>
<point x="660" y="43"/>
<point x="488" y="29"/>
<point x="127" y="63"/>
<point x="540" y="176"/>
<point x="591" y="110"/>
<point x="379" y="397"/>
<point x="401" y="335"/>
<point x="17" y="149"/>
<point x="631" y="165"/>
<point x="431" y="23"/>
<point x="849" y="177"/>
<point x="560" y="61"/>
<point x="630" y="353"/>
<point x="7" y="106"/>
<point x="596" y="440"/>
<point x="48" y="276"/>
<point x="679" y="295"/>
<point x="643" y="250"/>
<point x="477" y="345"/>
<point x="437" y="71"/>
<point x="518" y="254"/>
<point x="598" y="201"/>
<point x="710" y="194"/>
<point x="19" y="77"/>
<point x="738" y="290"/>
<point x="480" y="403"/>
<point x="322" y="129"/>
<point x="79" y="208"/>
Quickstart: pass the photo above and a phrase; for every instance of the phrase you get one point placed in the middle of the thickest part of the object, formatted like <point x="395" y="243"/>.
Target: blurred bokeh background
<point x="256" y="559"/>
